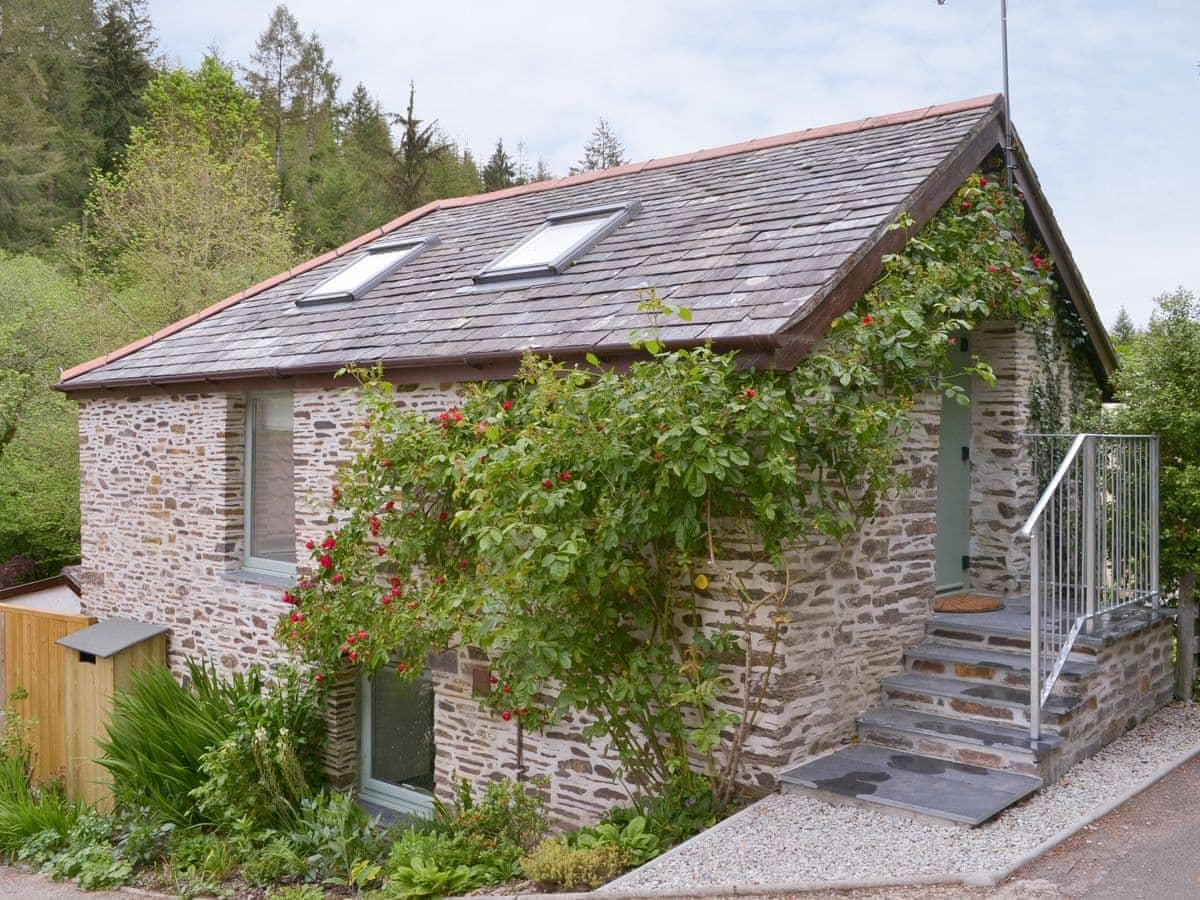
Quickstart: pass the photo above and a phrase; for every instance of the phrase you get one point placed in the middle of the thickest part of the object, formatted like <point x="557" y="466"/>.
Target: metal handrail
<point x="1093" y="537"/>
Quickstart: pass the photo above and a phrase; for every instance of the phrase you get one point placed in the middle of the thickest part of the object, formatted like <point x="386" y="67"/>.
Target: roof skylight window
<point x="558" y="242"/>
<point x="351" y="282"/>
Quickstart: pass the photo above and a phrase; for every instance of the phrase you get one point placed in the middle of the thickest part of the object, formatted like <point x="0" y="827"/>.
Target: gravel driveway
<point x="787" y="840"/>
<point x="15" y="883"/>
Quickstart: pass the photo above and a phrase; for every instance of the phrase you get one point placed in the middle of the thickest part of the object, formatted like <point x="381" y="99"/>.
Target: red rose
<point x="379" y="551"/>
<point x="507" y="689"/>
<point x="394" y="581"/>
<point x="564" y="477"/>
<point x="991" y="270"/>
<point x="442" y="517"/>
<point x="350" y="638"/>
<point x="318" y="677"/>
<point x="337" y="579"/>
<point x="506" y="405"/>
<point x="310" y="545"/>
<point x="288" y="598"/>
<point x="375" y="525"/>
<point x="867" y="319"/>
<point x="362" y="635"/>
<point x="983" y="182"/>
<point x="548" y="484"/>
<point x="1038" y="262"/>
<point x="325" y="561"/>
<point x="389" y="506"/>
<point x="328" y="543"/>
<point x="494" y="680"/>
<point x="506" y="715"/>
<point x="294" y="617"/>
<point x="353" y="656"/>
<point x="462" y="564"/>
<point x="751" y="393"/>
<point x="292" y="635"/>
<point x="401" y="668"/>
<point x="386" y="599"/>
<point x="966" y="204"/>
<point x="412" y="604"/>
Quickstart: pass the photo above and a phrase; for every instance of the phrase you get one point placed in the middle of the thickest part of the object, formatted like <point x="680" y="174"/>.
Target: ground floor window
<point x="397" y="741"/>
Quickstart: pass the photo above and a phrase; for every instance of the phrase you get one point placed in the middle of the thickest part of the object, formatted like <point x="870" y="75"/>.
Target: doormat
<point x="967" y="603"/>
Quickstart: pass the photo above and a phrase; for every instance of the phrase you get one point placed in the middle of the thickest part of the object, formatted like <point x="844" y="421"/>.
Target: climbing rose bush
<point x="575" y="523"/>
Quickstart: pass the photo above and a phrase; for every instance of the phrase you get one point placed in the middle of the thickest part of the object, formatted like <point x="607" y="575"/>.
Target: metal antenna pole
<point x="1009" y="167"/>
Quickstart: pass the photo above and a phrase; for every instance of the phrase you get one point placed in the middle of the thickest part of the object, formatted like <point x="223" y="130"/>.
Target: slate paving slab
<point x="932" y="787"/>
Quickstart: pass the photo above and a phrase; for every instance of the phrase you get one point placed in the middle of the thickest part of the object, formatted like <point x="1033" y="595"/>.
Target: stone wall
<point x="162" y="486"/>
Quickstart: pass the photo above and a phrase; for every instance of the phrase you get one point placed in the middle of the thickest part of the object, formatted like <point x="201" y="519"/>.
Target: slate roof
<point x="755" y="239"/>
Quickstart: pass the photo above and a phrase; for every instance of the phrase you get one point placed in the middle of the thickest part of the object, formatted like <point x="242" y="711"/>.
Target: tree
<point x="1157" y="385"/>
<point x="602" y="151"/>
<point x="1123" y="330"/>
<point x="499" y="171"/>
<point x="46" y="148"/>
<point x="419" y="147"/>
<point x="192" y="212"/>
<point x="454" y="174"/>
<point x="119" y="71"/>
<point x="45" y="323"/>
<point x="276" y="54"/>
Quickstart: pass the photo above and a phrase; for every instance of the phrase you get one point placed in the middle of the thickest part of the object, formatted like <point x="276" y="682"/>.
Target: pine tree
<point x="276" y="54"/>
<point x="499" y="171"/>
<point x="1123" y="330"/>
<point x="602" y="151"/>
<point x="119" y="69"/>
<point x="46" y="148"/>
<point x="419" y="147"/>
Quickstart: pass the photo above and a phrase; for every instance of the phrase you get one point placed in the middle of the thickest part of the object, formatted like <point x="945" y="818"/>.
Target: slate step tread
<point x="996" y="625"/>
<point x="981" y="656"/>
<point x="920" y="784"/>
<point x="982" y="734"/>
<point x="996" y="694"/>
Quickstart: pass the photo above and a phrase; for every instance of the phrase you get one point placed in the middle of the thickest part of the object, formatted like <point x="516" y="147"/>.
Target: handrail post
<point x="1035" y="636"/>
<point x="1089" y="525"/>
<point x="1154" y="536"/>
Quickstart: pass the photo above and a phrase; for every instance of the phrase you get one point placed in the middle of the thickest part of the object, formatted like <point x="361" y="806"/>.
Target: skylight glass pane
<point x="548" y="245"/>
<point x="361" y="272"/>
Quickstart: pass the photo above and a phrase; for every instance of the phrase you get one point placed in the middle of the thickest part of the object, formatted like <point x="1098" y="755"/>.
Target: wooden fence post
<point x="1185" y="661"/>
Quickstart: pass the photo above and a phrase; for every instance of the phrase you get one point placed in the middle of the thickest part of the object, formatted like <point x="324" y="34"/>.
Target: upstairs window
<point x="558" y="242"/>
<point x="378" y="262"/>
<point x="270" y="496"/>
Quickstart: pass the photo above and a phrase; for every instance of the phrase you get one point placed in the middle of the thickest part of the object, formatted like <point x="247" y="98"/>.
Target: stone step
<point x="958" y="740"/>
<point x="993" y="632"/>
<point x="917" y="784"/>
<point x="973" y="701"/>
<point x="939" y="659"/>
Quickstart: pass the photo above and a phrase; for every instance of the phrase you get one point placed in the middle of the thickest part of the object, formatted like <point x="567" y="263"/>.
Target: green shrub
<point x="272" y="863"/>
<point x="26" y="811"/>
<point x="296" y="892"/>
<point x="87" y="854"/>
<point x="157" y="735"/>
<point x="451" y="854"/>
<point x="269" y="762"/>
<point x="510" y="813"/>
<point x="681" y="809"/>
<point x="555" y="862"/>
<point x="640" y="846"/>
<point x="200" y="855"/>
<point x="214" y="751"/>
<point x="334" y="836"/>
<point x="421" y="878"/>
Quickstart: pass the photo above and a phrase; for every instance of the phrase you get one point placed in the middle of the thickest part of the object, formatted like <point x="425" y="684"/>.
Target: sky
<point x="1105" y="94"/>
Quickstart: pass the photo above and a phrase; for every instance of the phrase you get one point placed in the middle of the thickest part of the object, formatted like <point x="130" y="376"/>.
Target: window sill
<point x="250" y="576"/>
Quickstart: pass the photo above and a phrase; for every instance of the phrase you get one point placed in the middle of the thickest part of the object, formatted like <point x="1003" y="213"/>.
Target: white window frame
<point x="608" y="219"/>
<point x="403" y="249"/>
<point x="254" y="563"/>
<point x="399" y="798"/>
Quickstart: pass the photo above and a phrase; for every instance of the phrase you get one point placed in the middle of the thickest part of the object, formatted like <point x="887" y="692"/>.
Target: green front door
<point x="954" y="490"/>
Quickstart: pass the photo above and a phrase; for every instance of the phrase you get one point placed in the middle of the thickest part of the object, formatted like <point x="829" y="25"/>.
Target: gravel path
<point x="788" y="839"/>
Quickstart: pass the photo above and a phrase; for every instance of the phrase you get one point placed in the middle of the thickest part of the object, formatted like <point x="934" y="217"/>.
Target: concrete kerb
<point x="969" y="879"/>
